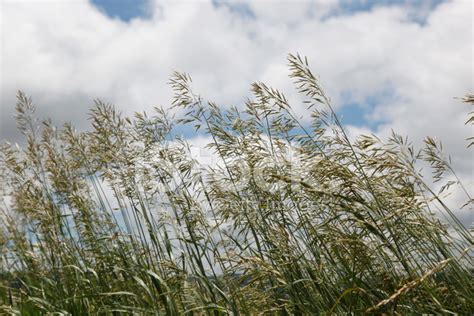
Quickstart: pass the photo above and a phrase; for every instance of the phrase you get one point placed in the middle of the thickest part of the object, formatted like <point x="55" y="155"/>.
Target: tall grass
<point x="294" y="218"/>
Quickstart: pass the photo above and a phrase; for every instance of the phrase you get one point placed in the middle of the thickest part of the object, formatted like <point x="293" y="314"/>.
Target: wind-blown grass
<point x="293" y="219"/>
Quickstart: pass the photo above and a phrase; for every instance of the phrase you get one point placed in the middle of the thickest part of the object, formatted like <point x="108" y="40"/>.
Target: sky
<point x="388" y="64"/>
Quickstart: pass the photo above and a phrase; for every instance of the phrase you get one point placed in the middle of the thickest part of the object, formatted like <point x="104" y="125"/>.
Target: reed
<point x="294" y="218"/>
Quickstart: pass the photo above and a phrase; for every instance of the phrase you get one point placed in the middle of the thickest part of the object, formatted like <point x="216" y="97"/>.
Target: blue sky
<point x="123" y="9"/>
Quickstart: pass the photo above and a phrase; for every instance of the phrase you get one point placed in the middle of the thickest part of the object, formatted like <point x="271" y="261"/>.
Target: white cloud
<point x="67" y="53"/>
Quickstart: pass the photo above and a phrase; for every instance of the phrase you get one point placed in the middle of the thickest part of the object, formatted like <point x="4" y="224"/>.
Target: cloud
<point x="403" y="74"/>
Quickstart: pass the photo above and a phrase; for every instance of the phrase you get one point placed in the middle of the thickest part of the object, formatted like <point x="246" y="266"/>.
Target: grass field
<point x="294" y="218"/>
